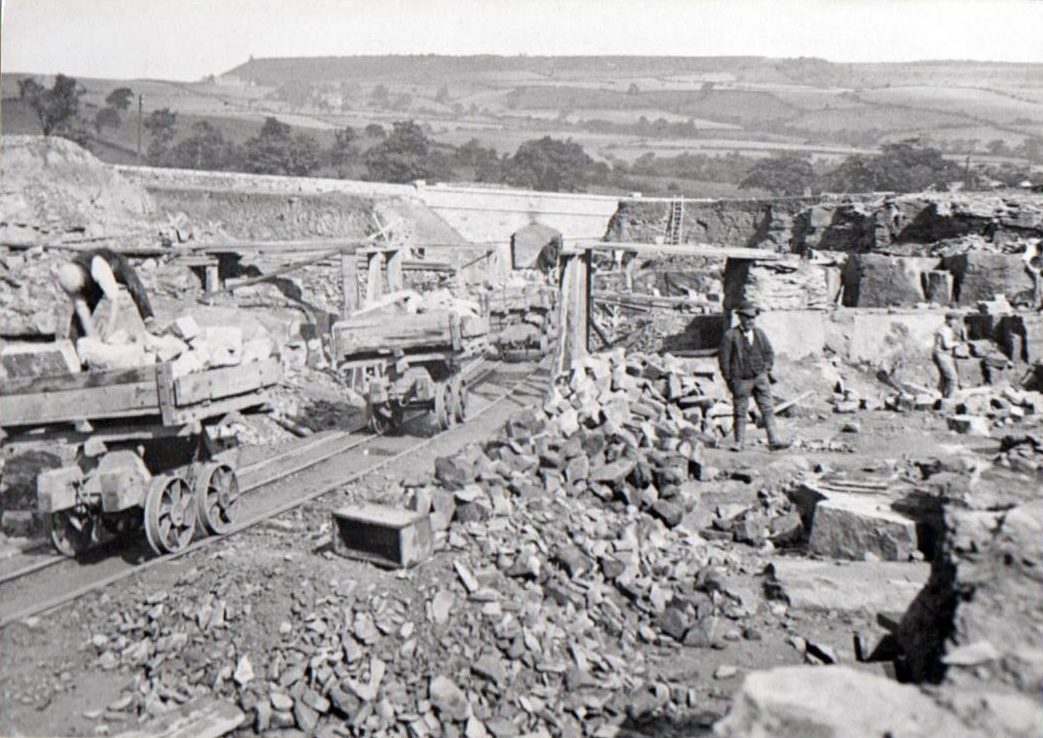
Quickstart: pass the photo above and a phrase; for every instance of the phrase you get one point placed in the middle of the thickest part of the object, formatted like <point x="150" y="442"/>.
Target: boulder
<point x="850" y="526"/>
<point x="846" y="586"/>
<point x="833" y="702"/>
<point x="982" y="275"/>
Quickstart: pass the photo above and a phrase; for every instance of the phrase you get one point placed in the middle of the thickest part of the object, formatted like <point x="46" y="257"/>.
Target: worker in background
<point x="947" y="341"/>
<point x="746" y="359"/>
<point x="95" y="274"/>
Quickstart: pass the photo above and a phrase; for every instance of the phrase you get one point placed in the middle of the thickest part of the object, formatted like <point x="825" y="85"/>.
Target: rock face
<point x="833" y="702"/>
<point x="848" y="224"/>
<point x="53" y="188"/>
<point x="878" y="280"/>
<point x="983" y="276"/>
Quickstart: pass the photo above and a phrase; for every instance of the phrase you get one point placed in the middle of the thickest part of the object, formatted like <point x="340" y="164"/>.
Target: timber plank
<point x="88" y="403"/>
<point x="201" y="718"/>
<point x="218" y="383"/>
<point x="81" y="380"/>
<point x="204" y="410"/>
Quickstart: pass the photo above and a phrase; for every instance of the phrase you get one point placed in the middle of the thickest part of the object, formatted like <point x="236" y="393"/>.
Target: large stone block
<point x="850" y="526"/>
<point x="981" y="275"/>
<point x="877" y="280"/>
<point x="834" y="702"/>
<point x="846" y="586"/>
<point x="38" y="359"/>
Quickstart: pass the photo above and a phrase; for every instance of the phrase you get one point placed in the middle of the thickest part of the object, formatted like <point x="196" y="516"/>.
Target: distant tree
<point x="205" y="148"/>
<point x="997" y="147"/>
<point x="442" y="96"/>
<point x="276" y="151"/>
<point x="162" y="126"/>
<point x="549" y="164"/>
<point x="343" y="150"/>
<point x="380" y="95"/>
<point x="633" y="89"/>
<point x="120" y="98"/>
<point x="402" y="156"/>
<point x="781" y="175"/>
<point x="56" y="108"/>
<point x="375" y="130"/>
<point x="106" y="118"/>
<point x="905" y="166"/>
<point x="484" y="161"/>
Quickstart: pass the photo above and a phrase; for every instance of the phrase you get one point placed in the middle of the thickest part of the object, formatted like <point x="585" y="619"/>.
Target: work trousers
<point x="760" y="388"/>
<point x="947" y="369"/>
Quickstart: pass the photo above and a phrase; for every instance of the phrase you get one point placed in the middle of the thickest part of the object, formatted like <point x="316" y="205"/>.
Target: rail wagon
<point x="413" y="361"/>
<point x="140" y="448"/>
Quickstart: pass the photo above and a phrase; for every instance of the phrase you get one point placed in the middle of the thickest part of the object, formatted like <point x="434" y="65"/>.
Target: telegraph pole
<point x="140" y="104"/>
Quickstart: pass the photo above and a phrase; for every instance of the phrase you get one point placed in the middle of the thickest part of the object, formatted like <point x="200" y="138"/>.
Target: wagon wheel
<point x="216" y="489"/>
<point x="462" y="399"/>
<point x="445" y="405"/>
<point x="382" y="419"/>
<point x="72" y="533"/>
<point x="123" y="523"/>
<point x="170" y="514"/>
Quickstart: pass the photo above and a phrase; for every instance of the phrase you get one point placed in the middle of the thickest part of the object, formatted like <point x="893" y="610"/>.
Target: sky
<point x="188" y="39"/>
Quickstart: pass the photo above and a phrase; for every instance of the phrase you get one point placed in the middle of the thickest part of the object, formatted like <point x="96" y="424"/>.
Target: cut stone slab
<point x="849" y="526"/>
<point x="869" y="586"/>
<point x="833" y="702"/>
<point x="204" y="717"/>
<point x="384" y="536"/>
<point x="973" y="425"/>
<point x="38" y="359"/>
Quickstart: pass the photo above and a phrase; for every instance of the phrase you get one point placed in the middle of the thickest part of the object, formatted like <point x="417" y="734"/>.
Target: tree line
<point x="406" y="153"/>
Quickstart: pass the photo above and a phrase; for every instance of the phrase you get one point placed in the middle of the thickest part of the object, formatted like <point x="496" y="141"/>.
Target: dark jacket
<point x="740" y="360"/>
<point x="124" y="273"/>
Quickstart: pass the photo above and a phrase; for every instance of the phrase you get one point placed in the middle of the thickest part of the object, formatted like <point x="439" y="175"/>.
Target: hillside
<point x="618" y="109"/>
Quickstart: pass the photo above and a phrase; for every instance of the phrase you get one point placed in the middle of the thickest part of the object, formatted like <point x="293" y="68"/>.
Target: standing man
<point x="947" y="341"/>
<point x="746" y="359"/>
<point x="94" y="274"/>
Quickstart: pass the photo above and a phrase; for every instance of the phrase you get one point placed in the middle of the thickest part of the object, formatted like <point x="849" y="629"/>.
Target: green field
<point x="612" y="106"/>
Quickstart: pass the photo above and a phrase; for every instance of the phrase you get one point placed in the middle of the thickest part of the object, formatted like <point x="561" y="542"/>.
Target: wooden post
<point x="349" y="279"/>
<point x="211" y="277"/>
<point x="374" y="283"/>
<point x="574" y="308"/>
<point x="394" y="267"/>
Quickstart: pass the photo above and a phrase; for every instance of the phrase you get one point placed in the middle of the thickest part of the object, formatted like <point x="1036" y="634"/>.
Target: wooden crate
<point x="381" y="535"/>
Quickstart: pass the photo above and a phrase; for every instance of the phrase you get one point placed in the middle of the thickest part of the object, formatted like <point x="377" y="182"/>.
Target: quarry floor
<point x="52" y="681"/>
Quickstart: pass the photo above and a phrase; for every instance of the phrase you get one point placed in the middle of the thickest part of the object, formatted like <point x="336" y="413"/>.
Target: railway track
<point x="272" y="486"/>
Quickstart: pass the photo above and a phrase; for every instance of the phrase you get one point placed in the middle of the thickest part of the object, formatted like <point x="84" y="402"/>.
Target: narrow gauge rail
<point x="351" y="456"/>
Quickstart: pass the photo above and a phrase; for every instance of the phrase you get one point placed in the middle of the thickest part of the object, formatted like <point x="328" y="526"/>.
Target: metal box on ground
<point x="384" y="536"/>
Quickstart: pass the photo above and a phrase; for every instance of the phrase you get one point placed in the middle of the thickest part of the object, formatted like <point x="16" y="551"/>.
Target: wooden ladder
<point x="675" y="225"/>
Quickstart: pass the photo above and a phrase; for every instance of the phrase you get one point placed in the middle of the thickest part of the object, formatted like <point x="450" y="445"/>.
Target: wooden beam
<point x="691" y="249"/>
<point x="394" y="269"/>
<point x="574" y="306"/>
<point x="374" y="277"/>
<point x="93" y="403"/>
<point x="349" y="280"/>
<point x="215" y="384"/>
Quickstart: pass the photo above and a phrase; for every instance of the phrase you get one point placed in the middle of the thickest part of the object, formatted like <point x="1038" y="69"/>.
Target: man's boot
<point x="773" y="437"/>
<point x="740" y="433"/>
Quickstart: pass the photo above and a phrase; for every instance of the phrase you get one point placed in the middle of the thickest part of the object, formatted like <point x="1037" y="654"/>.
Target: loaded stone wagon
<point x="139" y="447"/>
<point x="413" y="361"/>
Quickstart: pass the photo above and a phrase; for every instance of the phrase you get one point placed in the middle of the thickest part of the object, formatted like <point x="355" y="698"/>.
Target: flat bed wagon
<point x="139" y="447"/>
<point x="412" y="361"/>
